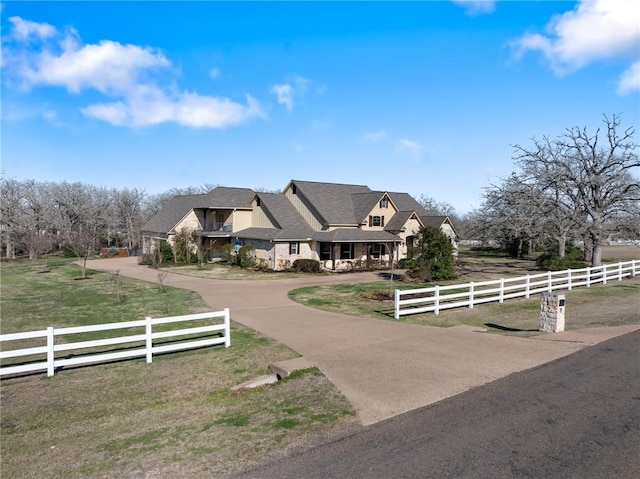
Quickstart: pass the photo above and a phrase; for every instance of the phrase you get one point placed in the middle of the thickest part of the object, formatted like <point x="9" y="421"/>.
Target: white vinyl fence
<point x="436" y="298"/>
<point x="46" y="354"/>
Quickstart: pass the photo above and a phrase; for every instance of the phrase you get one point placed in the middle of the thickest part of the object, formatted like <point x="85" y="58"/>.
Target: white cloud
<point x="129" y="75"/>
<point x="214" y="73"/>
<point x="151" y="106"/>
<point x="477" y="7"/>
<point x="375" y="136"/>
<point x="25" y="29"/>
<point x="288" y="93"/>
<point x="415" y="149"/>
<point x="630" y="79"/>
<point x="594" y="30"/>
<point x="284" y="94"/>
<point x="108" y="67"/>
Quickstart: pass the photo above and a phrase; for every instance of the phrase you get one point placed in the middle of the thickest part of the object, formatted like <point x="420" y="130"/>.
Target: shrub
<point x="261" y="264"/>
<point x="284" y="264"/>
<point x="165" y="252"/>
<point x="227" y="253"/>
<point x="246" y="256"/>
<point x="306" y="266"/>
<point x="550" y="261"/>
<point x="407" y="263"/>
<point x="433" y="254"/>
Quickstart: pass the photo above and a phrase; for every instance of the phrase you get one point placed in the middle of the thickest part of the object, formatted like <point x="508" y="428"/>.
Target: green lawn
<point x="610" y="305"/>
<point x="176" y="417"/>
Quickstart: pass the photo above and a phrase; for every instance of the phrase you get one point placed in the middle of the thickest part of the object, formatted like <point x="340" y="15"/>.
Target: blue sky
<point x="422" y="97"/>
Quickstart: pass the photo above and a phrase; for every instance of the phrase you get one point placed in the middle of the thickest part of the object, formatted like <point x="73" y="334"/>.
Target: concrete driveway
<point x="384" y="368"/>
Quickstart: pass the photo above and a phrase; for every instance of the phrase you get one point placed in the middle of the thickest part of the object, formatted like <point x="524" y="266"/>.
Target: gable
<point x="331" y="203"/>
<point x="172" y="213"/>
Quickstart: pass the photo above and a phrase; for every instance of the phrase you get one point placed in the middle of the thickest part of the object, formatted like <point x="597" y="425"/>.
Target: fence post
<point x="589" y="277"/>
<point x="502" y="290"/>
<point x="549" y="282"/>
<point x="620" y="271"/>
<point x="396" y="304"/>
<point x="633" y="268"/>
<point x="437" y="300"/>
<point x="471" y="291"/>
<point x="527" y="287"/>
<point x="604" y="274"/>
<point x="148" y="340"/>
<point x="50" y="352"/>
<point x="227" y="328"/>
<point x="569" y="279"/>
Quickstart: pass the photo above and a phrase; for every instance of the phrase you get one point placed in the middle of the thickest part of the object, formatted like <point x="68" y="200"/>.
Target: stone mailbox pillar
<point x="552" y="312"/>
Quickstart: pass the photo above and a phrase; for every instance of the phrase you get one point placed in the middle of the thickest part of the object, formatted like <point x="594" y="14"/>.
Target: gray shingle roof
<point x="178" y="207"/>
<point x="224" y="197"/>
<point x="292" y="224"/>
<point x="337" y="204"/>
<point x="333" y="201"/>
<point x="398" y="221"/>
<point x="349" y="235"/>
<point x="363" y="203"/>
<point x="172" y="211"/>
<point x="406" y="202"/>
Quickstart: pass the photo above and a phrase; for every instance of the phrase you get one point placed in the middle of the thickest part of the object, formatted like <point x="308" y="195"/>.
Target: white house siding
<point x="263" y="250"/>
<point x="304" y="210"/>
<point x="241" y="219"/>
<point x="387" y="213"/>
<point x="259" y="217"/>
<point x="190" y="222"/>
<point x="411" y="227"/>
<point x="448" y="230"/>
<point x="277" y="254"/>
<point x="285" y="260"/>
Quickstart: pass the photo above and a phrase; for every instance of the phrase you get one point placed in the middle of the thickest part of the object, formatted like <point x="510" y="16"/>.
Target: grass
<point x="176" y="417"/>
<point x="610" y="305"/>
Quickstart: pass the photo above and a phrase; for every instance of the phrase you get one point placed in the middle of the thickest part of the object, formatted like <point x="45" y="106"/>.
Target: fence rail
<point x="437" y="298"/>
<point x="45" y="355"/>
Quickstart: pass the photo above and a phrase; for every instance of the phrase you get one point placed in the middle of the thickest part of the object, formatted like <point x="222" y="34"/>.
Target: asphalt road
<point x="576" y="417"/>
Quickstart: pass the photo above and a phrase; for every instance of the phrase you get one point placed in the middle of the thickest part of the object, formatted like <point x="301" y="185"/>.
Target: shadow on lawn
<point x="508" y="329"/>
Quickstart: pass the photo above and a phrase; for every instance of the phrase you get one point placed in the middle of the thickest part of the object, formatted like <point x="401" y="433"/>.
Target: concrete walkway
<point x="384" y="368"/>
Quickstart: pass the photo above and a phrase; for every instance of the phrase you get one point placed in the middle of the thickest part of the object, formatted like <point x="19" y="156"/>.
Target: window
<point x="294" y="248"/>
<point x="376" y="220"/>
<point x="325" y="251"/>
<point x="384" y="203"/>
<point x="258" y="202"/>
<point x="293" y="190"/>
<point x="347" y="251"/>
<point x="377" y="250"/>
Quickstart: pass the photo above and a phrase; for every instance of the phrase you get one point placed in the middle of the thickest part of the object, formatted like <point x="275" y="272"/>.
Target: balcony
<point x="223" y="227"/>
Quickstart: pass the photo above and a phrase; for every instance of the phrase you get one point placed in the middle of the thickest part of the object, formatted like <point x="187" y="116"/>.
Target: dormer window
<point x="258" y="202"/>
<point x="293" y="190"/>
<point x="384" y="203"/>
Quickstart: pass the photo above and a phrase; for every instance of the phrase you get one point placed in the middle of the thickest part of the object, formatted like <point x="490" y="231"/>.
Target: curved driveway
<point x="383" y="367"/>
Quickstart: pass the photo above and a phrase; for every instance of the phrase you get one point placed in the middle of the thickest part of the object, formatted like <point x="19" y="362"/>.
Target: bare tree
<point x="436" y="208"/>
<point x="81" y="212"/>
<point x="128" y="207"/>
<point x="596" y="175"/>
<point x="11" y="210"/>
<point x="510" y="214"/>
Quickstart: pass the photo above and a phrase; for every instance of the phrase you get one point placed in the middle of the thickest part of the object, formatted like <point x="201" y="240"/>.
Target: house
<point x="342" y="226"/>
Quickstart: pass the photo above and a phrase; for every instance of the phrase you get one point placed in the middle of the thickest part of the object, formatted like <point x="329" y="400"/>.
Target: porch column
<point x="333" y="256"/>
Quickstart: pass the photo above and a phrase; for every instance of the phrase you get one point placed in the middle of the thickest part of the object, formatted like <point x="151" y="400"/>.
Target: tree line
<point x="578" y="188"/>
<point x="38" y="217"/>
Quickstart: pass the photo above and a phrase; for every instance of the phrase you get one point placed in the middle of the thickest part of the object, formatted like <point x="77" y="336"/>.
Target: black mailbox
<point x="561" y="302"/>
